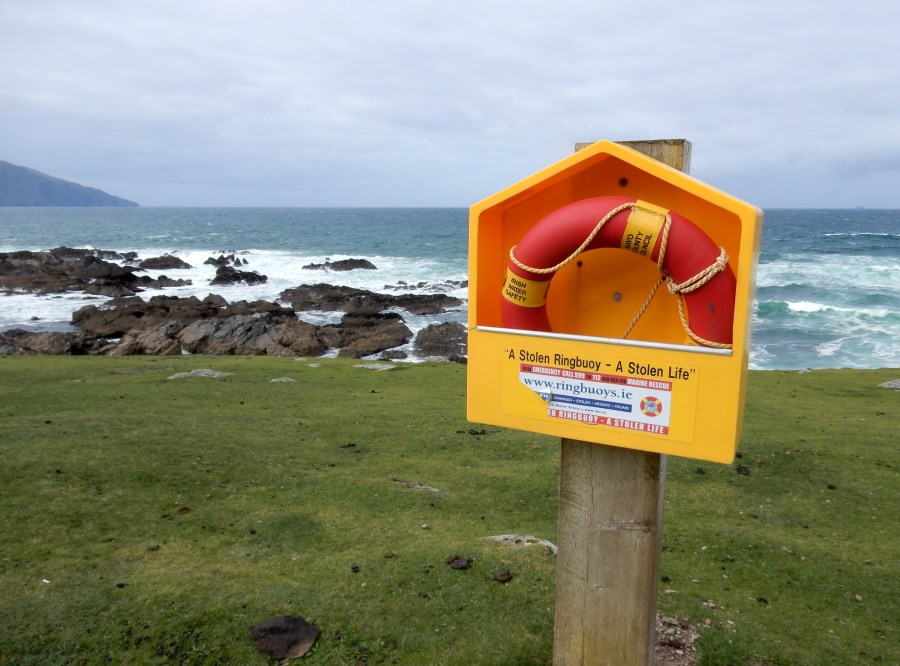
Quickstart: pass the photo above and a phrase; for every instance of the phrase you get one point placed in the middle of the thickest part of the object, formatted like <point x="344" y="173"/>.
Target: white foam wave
<point x="809" y="307"/>
<point x="825" y="271"/>
<point x="831" y="347"/>
<point x="30" y="311"/>
<point x="863" y="234"/>
<point x="286" y="269"/>
<point x="759" y="357"/>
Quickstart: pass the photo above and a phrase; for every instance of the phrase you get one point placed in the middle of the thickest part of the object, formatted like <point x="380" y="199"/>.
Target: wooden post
<point x="610" y="533"/>
<point x="673" y="152"/>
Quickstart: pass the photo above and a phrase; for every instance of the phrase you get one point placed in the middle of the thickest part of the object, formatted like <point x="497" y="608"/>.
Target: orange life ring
<point x="689" y="261"/>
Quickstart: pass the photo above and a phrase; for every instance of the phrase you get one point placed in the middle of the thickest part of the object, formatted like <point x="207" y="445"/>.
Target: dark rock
<point x="503" y="576"/>
<point x="443" y="285"/>
<point x="226" y="260"/>
<point x="214" y="301"/>
<point x="108" y="290"/>
<point x="254" y="307"/>
<point x="672" y="641"/>
<point x="167" y="325"/>
<point x="330" y="298"/>
<point x="18" y="342"/>
<point x="393" y="355"/>
<point x="70" y="269"/>
<point x="230" y="275"/>
<point x="446" y="339"/>
<point x="114" y="318"/>
<point x="159" y="340"/>
<point x="361" y="301"/>
<point x="162" y="282"/>
<point x="71" y="253"/>
<point x="423" y="304"/>
<point x="743" y="470"/>
<point x="342" y="265"/>
<point x="359" y="336"/>
<point x="457" y="562"/>
<point x="285" y="637"/>
<point x="52" y="343"/>
<point x="165" y="262"/>
<point x="269" y="334"/>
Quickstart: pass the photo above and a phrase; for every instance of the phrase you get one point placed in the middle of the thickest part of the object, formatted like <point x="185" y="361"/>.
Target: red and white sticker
<point x="595" y="398"/>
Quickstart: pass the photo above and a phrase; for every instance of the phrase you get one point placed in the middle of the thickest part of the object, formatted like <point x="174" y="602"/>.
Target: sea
<point x="827" y="290"/>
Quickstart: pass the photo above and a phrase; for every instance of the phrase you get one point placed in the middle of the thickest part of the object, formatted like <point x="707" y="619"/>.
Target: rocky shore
<point x="128" y="323"/>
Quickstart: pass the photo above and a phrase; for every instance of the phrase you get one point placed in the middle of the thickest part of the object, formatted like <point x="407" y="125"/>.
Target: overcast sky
<point x="788" y="103"/>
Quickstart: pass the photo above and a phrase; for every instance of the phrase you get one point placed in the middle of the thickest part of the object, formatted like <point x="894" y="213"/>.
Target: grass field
<point x="149" y="520"/>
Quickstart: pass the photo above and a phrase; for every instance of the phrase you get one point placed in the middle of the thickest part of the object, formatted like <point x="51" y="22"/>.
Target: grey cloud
<point x="409" y="103"/>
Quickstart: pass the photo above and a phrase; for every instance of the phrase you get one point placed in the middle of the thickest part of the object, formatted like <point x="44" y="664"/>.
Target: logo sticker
<point x="651" y="406"/>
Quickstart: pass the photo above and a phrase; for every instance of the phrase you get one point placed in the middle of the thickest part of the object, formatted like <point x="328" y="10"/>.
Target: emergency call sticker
<point x="594" y="398"/>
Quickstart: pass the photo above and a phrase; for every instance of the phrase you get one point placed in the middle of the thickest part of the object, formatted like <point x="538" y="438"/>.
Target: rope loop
<point x="692" y="284"/>
<point x="696" y="338"/>
<point x="701" y="278"/>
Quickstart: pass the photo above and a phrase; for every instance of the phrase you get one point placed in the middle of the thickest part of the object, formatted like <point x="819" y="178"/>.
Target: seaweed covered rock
<point x="72" y="269"/>
<point x="231" y="275"/>
<point x="357" y="336"/>
<point x="449" y="339"/>
<point x="332" y="298"/>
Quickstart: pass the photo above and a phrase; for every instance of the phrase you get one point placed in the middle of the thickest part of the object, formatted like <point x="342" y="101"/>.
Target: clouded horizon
<point x="794" y="103"/>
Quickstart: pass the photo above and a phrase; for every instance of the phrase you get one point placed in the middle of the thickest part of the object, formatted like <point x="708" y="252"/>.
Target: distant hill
<point x="21" y="186"/>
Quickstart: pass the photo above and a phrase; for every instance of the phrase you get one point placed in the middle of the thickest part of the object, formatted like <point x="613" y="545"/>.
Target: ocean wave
<point x="830" y="271"/>
<point x="286" y="269"/>
<point x="769" y="308"/>
<point x="818" y="333"/>
<point x="832" y="347"/>
<point x="766" y="309"/>
<point x="860" y="234"/>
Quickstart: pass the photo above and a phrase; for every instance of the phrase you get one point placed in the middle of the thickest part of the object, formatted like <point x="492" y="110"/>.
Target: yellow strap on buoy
<point x="642" y="230"/>
<point x="521" y="291"/>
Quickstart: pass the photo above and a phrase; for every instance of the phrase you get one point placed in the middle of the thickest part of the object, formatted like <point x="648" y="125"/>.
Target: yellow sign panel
<point x="611" y="302"/>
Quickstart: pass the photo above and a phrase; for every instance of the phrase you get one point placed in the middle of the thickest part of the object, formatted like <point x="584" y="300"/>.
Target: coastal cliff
<point x="21" y="186"/>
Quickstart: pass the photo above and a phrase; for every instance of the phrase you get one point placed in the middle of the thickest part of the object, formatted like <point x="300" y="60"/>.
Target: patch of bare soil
<point x="675" y="642"/>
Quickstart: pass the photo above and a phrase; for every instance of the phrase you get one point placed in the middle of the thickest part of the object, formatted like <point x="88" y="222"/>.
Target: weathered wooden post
<point x="571" y="333"/>
<point x="610" y="533"/>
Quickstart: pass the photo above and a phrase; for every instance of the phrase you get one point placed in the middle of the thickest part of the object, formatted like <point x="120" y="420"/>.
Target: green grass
<point x="168" y="517"/>
<point x="801" y="557"/>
